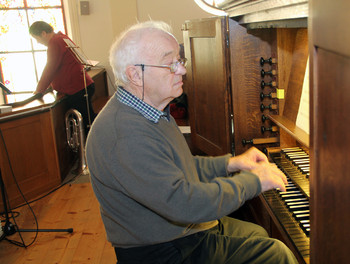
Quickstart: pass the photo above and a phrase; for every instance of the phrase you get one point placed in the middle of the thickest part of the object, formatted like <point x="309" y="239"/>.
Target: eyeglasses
<point x="172" y="67"/>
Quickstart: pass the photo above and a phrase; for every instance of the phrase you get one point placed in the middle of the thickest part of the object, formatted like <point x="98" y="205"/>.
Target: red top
<point x="63" y="71"/>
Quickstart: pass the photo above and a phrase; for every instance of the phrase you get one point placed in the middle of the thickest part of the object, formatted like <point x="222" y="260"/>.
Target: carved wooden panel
<point x="330" y="138"/>
<point x="330" y="167"/>
<point x="208" y="85"/>
<point x="28" y="157"/>
<point x="247" y="47"/>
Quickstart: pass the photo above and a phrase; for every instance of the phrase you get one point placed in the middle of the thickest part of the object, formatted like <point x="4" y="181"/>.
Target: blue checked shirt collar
<point x="144" y="109"/>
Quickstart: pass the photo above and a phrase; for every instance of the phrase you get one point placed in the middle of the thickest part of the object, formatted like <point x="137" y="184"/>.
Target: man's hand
<point x="270" y="176"/>
<point x="256" y="162"/>
<point x="246" y="161"/>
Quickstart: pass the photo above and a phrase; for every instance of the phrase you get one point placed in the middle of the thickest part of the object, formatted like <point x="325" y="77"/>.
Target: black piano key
<point x="291" y="189"/>
<point x="307" y="231"/>
<point x="304" y="226"/>
<point x="305" y="171"/>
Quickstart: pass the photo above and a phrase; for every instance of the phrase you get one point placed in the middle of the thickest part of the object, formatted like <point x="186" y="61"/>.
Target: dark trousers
<point x="78" y="101"/>
<point x="231" y="242"/>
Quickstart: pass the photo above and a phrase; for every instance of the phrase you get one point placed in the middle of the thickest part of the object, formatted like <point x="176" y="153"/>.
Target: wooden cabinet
<point x="28" y="156"/>
<point x="34" y="154"/>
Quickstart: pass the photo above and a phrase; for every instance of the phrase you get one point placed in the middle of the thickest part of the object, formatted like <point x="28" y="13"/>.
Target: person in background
<point x="158" y="202"/>
<point x="64" y="72"/>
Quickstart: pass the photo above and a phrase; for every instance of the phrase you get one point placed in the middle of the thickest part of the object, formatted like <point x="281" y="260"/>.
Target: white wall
<point x="95" y="32"/>
<point x="174" y="12"/>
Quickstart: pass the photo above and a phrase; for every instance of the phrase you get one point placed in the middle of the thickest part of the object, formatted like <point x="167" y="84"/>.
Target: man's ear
<point x="134" y="75"/>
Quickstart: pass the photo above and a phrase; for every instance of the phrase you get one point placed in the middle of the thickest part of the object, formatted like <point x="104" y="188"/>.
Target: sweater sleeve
<point x="209" y="168"/>
<point x="147" y="173"/>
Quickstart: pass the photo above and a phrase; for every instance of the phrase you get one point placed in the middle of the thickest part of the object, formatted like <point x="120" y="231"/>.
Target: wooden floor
<point x="72" y="206"/>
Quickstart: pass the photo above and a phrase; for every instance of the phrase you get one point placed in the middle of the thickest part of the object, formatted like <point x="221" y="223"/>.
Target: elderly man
<point x="159" y="203"/>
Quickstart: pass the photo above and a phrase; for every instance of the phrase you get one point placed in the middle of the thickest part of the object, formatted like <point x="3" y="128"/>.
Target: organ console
<point x="253" y="108"/>
<point x="229" y="60"/>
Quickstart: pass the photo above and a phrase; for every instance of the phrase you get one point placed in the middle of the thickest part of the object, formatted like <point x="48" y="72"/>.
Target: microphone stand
<point x="7" y="90"/>
<point x="10" y="229"/>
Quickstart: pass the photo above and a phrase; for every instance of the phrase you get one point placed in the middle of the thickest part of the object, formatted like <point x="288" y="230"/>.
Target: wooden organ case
<point x="246" y="82"/>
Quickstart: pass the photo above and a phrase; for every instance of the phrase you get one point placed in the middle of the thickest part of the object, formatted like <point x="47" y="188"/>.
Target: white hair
<point x="128" y="47"/>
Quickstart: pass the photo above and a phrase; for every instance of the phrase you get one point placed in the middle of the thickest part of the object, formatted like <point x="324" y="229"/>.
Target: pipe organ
<point x="247" y="86"/>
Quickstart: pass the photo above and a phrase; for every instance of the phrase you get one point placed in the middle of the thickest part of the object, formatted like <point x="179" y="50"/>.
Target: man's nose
<point x="181" y="69"/>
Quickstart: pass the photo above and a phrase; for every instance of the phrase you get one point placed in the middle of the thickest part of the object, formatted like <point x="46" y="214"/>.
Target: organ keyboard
<point x="291" y="208"/>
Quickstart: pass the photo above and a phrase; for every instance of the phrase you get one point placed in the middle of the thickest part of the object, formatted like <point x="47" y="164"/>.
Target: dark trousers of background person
<point x="231" y="242"/>
<point x="78" y="101"/>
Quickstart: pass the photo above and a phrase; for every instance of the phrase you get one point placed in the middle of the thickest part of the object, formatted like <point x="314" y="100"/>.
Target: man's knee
<point x="260" y="231"/>
<point x="239" y="228"/>
<point x="278" y="252"/>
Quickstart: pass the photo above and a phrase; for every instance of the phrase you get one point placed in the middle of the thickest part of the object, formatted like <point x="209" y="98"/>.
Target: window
<point x="22" y="59"/>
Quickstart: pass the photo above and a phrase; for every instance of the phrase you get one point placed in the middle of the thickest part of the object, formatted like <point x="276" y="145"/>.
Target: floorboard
<point x="72" y="206"/>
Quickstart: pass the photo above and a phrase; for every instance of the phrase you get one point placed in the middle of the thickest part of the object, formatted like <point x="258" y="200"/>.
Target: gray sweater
<point x="151" y="189"/>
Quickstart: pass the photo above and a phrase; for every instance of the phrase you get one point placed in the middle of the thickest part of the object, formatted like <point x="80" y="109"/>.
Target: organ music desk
<point x="33" y="150"/>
